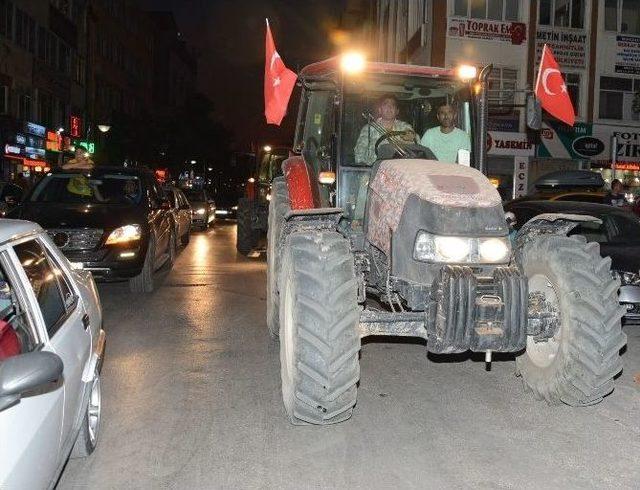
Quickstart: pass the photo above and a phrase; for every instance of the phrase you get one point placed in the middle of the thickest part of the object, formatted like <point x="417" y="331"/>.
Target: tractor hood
<point x="444" y="199"/>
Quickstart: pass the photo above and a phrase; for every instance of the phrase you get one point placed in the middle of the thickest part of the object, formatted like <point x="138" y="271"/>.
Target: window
<point x="6" y="19"/>
<point x="617" y="97"/>
<point x="572" y="81"/>
<point x="487" y="9"/>
<point x="16" y="335"/>
<point x="24" y="107"/>
<point x="562" y="13"/>
<point x="44" y="283"/>
<point x="25" y="31"/>
<point x="502" y="84"/>
<point x="611" y="15"/>
<point x="4" y="99"/>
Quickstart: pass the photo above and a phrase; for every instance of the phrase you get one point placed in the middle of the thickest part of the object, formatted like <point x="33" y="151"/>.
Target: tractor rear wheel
<point x="319" y="338"/>
<point x="278" y="207"/>
<point x="246" y="236"/>
<point x="577" y="365"/>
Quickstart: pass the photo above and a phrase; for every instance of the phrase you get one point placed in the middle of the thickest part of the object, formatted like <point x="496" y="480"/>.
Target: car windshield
<point x="195" y="195"/>
<point x="615" y="228"/>
<point x="91" y="188"/>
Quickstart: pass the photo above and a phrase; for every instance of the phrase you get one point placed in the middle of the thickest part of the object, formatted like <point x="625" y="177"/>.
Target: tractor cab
<point x="340" y="133"/>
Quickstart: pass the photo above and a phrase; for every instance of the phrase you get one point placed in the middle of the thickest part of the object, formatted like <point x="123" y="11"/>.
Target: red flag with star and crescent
<point x="278" y="83"/>
<point x="551" y="90"/>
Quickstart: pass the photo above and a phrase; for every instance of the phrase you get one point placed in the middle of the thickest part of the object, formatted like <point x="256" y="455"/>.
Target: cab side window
<point x="49" y="286"/>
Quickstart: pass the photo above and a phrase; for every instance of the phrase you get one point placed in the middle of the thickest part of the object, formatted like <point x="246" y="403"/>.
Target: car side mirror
<point x="534" y="113"/>
<point x="27" y="372"/>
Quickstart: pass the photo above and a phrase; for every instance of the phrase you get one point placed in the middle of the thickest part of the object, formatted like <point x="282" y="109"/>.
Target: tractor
<point x="407" y="245"/>
<point x="253" y="208"/>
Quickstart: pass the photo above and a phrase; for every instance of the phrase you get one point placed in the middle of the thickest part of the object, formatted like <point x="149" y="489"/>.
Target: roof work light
<point x="352" y="62"/>
<point x="467" y="72"/>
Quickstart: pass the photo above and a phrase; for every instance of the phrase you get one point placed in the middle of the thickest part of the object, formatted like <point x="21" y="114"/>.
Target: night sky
<point x="229" y="39"/>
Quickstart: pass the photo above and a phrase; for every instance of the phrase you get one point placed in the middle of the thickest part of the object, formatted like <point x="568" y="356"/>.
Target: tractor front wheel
<point x="319" y="338"/>
<point x="572" y="283"/>
<point x="246" y="237"/>
<point x="278" y="207"/>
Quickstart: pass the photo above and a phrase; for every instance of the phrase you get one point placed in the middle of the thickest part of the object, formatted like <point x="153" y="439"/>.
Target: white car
<point x="51" y="349"/>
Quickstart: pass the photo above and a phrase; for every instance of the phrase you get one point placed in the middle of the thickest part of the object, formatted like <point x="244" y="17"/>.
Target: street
<point x="191" y="397"/>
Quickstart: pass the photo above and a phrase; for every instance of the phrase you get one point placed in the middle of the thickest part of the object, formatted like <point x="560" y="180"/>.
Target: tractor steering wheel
<point x="385" y="137"/>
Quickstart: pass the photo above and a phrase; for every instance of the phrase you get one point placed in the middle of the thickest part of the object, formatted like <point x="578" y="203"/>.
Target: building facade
<point x="596" y="43"/>
<point x="42" y="54"/>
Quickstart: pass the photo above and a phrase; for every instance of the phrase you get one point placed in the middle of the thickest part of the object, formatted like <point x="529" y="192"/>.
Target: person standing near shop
<point x="615" y="197"/>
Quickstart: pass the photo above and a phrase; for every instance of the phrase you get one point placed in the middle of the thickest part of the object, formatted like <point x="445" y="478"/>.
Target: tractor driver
<point x="387" y="112"/>
<point x="445" y="140"/>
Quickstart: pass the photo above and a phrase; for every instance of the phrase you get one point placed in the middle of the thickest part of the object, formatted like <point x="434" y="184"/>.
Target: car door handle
<point x="86" y="321"/>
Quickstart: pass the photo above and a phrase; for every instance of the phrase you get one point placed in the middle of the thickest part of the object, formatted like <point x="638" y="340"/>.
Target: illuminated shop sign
<point x="90" y="147"/>
<point x="12" y="150"/>
<point x="36" y="129"/>
<point x="54" y="141"/>
<point x="75" y="126"/>
<point x="21" y="139"/>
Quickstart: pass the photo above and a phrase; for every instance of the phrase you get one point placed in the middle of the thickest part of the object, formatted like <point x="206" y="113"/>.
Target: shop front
<point x="24" y="157"/>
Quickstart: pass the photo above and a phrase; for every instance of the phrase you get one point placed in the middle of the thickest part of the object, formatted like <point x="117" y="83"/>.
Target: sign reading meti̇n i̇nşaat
<point x="569" y="48"/>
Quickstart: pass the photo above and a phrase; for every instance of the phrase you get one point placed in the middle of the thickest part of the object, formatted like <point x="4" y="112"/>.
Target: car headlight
<point x="627" y="278"/>
<point x="201" y="211"/>
<point x="124" y="234"/>
<point x="461" y="250"/>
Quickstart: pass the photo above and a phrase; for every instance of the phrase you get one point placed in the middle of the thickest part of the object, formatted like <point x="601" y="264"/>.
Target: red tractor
<point x="253" y="208"/>
<point x="402" y="244"/>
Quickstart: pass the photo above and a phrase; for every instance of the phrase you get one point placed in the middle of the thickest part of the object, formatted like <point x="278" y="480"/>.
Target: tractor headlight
<point x="461" y="250"/>
<point x="124" y="234"/>
<point x="494" y="250"/>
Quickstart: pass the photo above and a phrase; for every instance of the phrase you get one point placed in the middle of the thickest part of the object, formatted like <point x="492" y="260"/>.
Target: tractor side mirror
<point x="534" y="113"/>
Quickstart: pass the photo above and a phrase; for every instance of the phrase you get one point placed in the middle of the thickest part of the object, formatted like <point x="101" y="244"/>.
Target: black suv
<point x="115" y="221"/>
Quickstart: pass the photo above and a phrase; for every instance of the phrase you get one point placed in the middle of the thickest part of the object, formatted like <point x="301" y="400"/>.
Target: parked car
<point x="51" y="351"/>
<point x="568" y="185"/>
<point x="181" y="210"/>
<point x="203" y="208"/>
<point x="10" y="195"/>
<point x="115" y="221"/>
<point x="618" y="236"/>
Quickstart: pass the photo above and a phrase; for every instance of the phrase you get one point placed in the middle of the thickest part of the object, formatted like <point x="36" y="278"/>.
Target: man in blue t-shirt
<point x="445" y="140"/>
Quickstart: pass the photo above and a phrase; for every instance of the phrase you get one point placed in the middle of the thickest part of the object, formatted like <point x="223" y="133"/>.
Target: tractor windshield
<point x="410" y="109"/>
<point x="407" y="107"/>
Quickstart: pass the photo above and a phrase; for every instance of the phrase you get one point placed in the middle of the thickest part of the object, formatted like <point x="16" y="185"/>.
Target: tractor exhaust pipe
<point x="483" y="113"/>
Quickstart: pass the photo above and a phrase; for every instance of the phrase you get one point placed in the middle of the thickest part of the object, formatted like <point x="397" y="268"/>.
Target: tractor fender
<point x="302" y="183"/>
<point x="550" y="224"/>
<point x="310" y="219"/>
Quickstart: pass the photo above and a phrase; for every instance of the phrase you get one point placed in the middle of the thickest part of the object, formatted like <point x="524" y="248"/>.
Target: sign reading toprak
<point x="490" y="30"/>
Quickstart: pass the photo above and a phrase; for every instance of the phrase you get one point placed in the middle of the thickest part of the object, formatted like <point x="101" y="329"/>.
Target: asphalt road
<point x="191" y="395"/>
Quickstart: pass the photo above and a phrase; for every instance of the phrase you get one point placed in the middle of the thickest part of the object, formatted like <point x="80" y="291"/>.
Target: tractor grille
<point x="73" y="239"/>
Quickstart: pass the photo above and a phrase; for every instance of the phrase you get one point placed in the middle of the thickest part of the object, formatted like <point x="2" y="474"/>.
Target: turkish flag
<point x="278" y="83"/>
<point x="551" y="90"/>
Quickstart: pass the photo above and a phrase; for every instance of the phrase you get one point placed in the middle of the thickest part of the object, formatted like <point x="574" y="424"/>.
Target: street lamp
<point x="267" y="148"/>
<point x="104" y="128"/>
<point x="193" y="162"/>
<point x="210" y="169"/>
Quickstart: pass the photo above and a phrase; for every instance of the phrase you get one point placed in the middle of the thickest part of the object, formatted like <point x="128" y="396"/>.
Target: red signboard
<point x="54" y="141"/>
<point x="75" y="126"/>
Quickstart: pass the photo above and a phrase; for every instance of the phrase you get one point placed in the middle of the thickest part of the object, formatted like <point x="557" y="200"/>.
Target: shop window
<point x="562" y="13"/>
<point x="622" y="16"/>
<point x="619" y="98"/>
<point x="487" y="9"/>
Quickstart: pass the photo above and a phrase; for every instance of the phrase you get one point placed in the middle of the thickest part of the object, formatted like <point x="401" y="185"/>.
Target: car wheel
<point x="143" y="282"/>
<point x="90" y="429"/>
